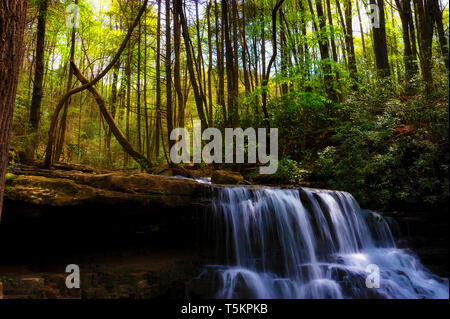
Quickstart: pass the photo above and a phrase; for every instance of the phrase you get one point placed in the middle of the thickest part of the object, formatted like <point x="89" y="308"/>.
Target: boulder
<point x="227" y="177"/>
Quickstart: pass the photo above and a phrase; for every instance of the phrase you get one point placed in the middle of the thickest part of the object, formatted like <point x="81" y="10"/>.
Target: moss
<point x="9" y="178"/>
<point x="40" y="190"/>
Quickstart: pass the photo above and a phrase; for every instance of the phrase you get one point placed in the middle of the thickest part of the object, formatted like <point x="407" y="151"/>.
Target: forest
<point x="360" y="100"/>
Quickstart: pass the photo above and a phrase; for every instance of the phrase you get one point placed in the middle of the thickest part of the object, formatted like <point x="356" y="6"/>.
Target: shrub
<point x="392" y="154"/>
<point x="290" y="171"/>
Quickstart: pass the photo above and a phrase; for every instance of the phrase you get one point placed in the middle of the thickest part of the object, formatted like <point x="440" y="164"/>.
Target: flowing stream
<point x="286" y="243"/>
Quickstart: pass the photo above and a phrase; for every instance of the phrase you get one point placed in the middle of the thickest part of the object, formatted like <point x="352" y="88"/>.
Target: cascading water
<point x="286" y="243"/>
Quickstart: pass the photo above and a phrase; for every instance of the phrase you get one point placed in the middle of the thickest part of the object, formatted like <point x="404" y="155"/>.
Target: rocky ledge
<point x="74" y="187"/>
<point x="55" y="213"/>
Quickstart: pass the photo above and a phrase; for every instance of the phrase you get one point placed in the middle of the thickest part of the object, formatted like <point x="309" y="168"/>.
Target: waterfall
<point x="289" y="243"/>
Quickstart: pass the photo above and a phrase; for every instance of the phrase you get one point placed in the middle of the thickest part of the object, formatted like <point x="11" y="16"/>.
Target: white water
<point x="278" y="245"/>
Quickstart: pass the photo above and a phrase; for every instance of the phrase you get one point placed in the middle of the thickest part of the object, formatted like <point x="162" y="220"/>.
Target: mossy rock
<point x="74" y="188"/>
<point x="46" y="191"/>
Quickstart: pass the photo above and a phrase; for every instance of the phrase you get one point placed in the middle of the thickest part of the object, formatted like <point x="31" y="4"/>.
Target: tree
<point x="12" y="25"/>
<point x="271" y="61"/>
<point x="190" y="63"/>
<point x="220" y="61"/>
<point x="443" y="42"/>
<point x="424" y="11"/>
<point x="349" y="40"/>
<point x="324" y="52"/>
<point x="169" y="116"/>
<point x="177" y="67"/>
<point x="228" y="63"/>
<point x="63" y="124"/>
<point x="379" y="41"/>
<point x="35" y="107"/>
<point x="138" y="87"/>
<point x="210" y="62"/>
<point x="158" y="82"/>
<point x="229" y="60"/>
<point x="404" y="9"/>
<point x="52" y="131"/>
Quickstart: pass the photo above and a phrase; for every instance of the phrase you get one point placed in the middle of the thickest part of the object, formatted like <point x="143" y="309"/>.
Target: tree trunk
<point x="147" y="128"/>
<point x="35" y="108"/>
<point x="113" y="111"/>
<point x="305" y="47"/>
<point x="425" y="32"/>
<point x="198" y="61"/>
<point x="404" y="8"/>
<point x="128" y="104"/>
<point x="349" y="41"/>
<point x="210" y="63"/>
<point x="176" y="67"/>
<point x="272" y="60"/>
<point x="190" y="64"/>
<point x="229" y="60"/>
<point x="324" y="53"/>
<point x="284" y="55"/>
<point x="244" y="50"/>
<point x="62" y="134"/>
<point x="334" y="49"/>
<point x="333" y="42"/>
<point x="158" y="82"/>
<point x="343" y="27"/>
<point x="443" y="43"/>
<point x="169" y="116"/>
<point x="379" y="42"/>
<point x="138" y="104"/>
<point x="220" y="62"/>
<point x="12" y="26"/>
<point x="235" y="93"/>
<point x="361" y="31"/>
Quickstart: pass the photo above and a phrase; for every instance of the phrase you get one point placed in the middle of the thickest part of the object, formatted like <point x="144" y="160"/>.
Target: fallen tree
<point x="127" y="147"/>
<point x="54" y="120"/>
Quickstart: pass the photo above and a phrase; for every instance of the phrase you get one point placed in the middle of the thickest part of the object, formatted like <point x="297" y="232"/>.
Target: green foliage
<point x="391" y="152"/>
<point x="299" y="116"/>
<point x="290" y="171"/>
<point x="387" y="143"/>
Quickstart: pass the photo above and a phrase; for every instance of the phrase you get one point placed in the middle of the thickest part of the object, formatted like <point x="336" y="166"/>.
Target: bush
<point x="392" y="153"/>
<point x="299" y="116"/>
<point x="290" y="171"/>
